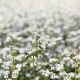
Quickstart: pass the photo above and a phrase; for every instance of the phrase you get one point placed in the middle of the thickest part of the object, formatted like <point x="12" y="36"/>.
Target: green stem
<point x="33" y="67"/>
<point x="13" y="66"/>
<point x="75" y="70"/>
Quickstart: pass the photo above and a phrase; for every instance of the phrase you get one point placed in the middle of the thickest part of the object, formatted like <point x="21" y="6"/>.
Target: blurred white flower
<point x="6" y="74"/>
<point x="15" y="73"/>
<point x="18" y="66"/>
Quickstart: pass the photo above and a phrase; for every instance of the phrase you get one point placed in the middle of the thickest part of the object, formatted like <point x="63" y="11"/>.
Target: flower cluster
<point x="40" y="47"/>
<point x="36" y="64"/>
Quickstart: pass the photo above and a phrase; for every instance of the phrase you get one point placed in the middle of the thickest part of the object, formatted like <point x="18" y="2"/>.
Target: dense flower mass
<point x="37" y="63"/>
<point x="37" y="46"/>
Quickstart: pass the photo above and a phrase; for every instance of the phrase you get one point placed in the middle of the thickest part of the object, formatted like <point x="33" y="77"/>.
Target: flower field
<point x="37" y="46"/>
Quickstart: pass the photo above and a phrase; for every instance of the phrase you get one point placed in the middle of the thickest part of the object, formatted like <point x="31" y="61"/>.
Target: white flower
<point x="18" y="66"/>
<point x="73" y="33"/>
<point x="20" y="57"/>
<point x="53" y="60"/>
<point x="45" y="73"/>
<point x="55" y="76"/>
<point x="6" y="74"/>
<point x="71" y="75"/>
<point x="28" y="75"/>
<point x="52" y="68"/>
<point x="37" y="78"/>
<point x="7" y="39"/>
<point x="59" y="67"/>
<point x="78" y="75"/>
<point x="66" y="59"/>
<point x="15" y="73"/>
<point x="52" y="76"/>
<point x="62" y="73"/>
<point x="1" y="61"/>
<point x="6" y="64"/>
<point x="77" y="57"/>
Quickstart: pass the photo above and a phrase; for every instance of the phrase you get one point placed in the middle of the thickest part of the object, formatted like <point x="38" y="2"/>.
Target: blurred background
<point x="56" y="21"/>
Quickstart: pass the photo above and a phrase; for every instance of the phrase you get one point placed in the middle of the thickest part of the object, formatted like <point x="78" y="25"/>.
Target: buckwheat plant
<point x="34" y="63"/>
